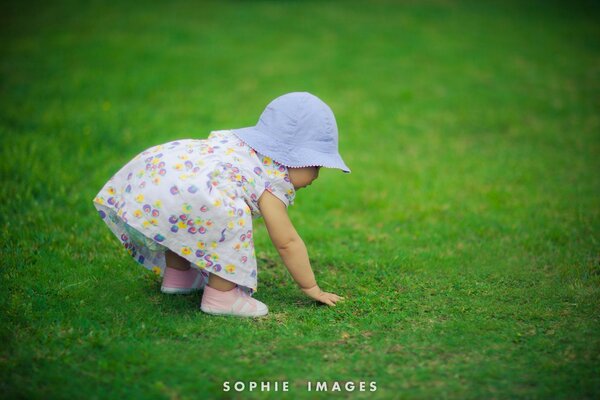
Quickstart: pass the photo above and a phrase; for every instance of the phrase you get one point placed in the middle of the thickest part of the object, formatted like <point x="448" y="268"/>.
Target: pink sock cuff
<point x="179" y="279"/>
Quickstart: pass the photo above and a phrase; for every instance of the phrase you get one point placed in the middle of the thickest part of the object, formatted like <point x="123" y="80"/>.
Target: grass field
<point x="466" y="239"/>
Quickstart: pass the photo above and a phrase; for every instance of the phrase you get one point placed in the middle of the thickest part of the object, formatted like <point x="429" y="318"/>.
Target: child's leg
<point x="176" y="261"/>
<point x="179" y="277"/>
<point x="216" y="282"/>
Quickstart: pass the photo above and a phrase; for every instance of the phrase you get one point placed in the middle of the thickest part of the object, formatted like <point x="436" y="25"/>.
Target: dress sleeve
<point x="277" y="181"/>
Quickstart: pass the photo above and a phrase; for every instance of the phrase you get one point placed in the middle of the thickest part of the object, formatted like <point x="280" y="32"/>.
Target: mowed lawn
<point x="465" y="240"/>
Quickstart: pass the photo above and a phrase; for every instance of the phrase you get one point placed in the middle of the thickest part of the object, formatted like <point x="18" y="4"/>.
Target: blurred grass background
<point x="465" y="240"/>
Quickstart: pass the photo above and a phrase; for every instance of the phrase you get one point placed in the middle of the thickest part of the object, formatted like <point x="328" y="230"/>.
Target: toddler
<point x="184" y="209"/>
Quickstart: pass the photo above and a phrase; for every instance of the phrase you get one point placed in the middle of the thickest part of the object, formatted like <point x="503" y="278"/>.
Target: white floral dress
<point x="196" y="198"/>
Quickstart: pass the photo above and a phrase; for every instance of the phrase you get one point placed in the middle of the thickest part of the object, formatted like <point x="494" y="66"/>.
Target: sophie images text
<point x="317" y="386"/>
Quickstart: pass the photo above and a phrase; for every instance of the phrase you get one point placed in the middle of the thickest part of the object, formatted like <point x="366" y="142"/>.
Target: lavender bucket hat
<point x="297" y="130"/>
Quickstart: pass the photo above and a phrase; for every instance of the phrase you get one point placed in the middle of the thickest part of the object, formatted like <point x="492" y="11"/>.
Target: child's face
<point x="302" y="177"/>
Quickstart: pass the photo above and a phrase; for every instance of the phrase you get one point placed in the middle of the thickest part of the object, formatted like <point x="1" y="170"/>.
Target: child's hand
<point x="324" y="297"/>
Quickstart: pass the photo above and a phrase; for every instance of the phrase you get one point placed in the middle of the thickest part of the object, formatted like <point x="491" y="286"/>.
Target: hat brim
<point x="290" y="157"/>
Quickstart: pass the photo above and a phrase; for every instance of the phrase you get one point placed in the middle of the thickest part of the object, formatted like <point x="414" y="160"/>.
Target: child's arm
<point x="291" y="248"/>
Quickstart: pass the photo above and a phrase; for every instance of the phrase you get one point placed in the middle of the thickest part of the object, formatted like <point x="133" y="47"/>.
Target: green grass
<point x="465" y="240"/>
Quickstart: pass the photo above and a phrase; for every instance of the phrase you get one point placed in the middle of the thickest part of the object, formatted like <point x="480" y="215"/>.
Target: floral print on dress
<point x="196" y="198"/>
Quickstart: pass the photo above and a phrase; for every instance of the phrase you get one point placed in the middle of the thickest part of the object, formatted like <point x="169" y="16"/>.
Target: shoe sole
<point x="213" y="312"/>
<point x="169" y="290"/>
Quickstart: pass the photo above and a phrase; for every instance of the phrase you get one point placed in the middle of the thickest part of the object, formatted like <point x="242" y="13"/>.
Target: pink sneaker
<point x="182" y="282"/>
<point x="233" y="302"/>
